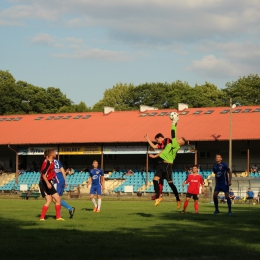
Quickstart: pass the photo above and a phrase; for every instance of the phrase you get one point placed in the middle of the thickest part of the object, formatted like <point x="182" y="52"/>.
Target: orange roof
<point x="128" y="126"/>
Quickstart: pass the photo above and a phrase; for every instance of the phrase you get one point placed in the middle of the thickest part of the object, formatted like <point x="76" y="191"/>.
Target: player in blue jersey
<point x="60" y="185"/>
<point x="223" y="176"/>
<point x="97" y="181"/>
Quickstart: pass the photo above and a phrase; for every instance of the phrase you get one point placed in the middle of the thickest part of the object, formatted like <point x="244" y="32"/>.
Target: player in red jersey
<point x="194" y="180"/>
<point x="46" y="184"/>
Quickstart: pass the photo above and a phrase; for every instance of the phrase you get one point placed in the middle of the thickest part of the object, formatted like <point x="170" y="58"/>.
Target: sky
<point x="84" y="47"/>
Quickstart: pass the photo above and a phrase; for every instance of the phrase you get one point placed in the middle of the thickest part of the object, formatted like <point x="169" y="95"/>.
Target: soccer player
<point x="60" y="185"/>
<point x="168" y="154"/>
<point x="194" y="180"/>
<point x="46" y="184"/>
<point x="223" y="177"/>
<point x="97" y="181"/>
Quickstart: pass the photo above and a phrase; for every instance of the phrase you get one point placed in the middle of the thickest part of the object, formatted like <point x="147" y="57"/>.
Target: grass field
<point x="132" y="229"/>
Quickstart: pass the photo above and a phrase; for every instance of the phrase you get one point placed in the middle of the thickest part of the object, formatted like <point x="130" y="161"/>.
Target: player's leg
<point x="60" y="189"/>
<point x="92" y="192"/>
<point x="168" y="171"/>
<point x="215" y="200"/>
<point x="186" y="202"/>
<point x="228" y="201"/>
<point x="196" y="203"/>
<point x="99" y="191"/>
<point x="56" y="197"/>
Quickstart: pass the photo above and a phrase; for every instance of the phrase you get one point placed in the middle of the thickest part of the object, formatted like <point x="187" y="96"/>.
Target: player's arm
<point x="44" y="172"/>
<point x="103" y="182"/>
<point x="89" y="181"/>
<point x="154" y="146"/>
<point x="64" y="174"/>
<point x="155" y="155"/>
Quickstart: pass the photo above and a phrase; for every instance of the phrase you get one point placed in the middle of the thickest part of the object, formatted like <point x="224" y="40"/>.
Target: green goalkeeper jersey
<point x="171" y="149"/>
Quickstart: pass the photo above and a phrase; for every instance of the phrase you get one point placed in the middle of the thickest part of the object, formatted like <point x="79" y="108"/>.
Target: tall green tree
<point x="245" y="91"/>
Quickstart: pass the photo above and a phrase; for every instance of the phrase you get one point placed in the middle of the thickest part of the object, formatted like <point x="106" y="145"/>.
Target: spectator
<point x="232" y="196"/>
<point x="258" y="197"/>
<point x="70" y="171"/>
<point x="1" y="169"/>
<point x="249" y="195"/>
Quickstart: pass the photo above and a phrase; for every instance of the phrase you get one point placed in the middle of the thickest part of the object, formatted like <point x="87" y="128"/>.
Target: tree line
<point x="19" y="97"/>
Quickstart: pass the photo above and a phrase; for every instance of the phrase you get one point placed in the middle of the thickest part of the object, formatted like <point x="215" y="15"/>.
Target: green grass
<point x="128" y="230"/>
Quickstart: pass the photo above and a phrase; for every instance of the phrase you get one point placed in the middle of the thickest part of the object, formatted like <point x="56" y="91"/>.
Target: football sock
<point x="57" y="208"/>
<point x="65" y="205"/>
<point x="94" y="202"/>
<point x="186" y="202"/>
<point x="160" y="187"/>
<point x="196" y="205"/>
<point x="175" y="191"/>
<point x="156" y="188"/>
<point x="99" y="203"/>
<point x="44" y="210"/>
<point x="229" y="204"/>
<point x="215" y="199"/>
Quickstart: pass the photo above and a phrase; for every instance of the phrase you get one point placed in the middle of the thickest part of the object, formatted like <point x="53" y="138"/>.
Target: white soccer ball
<point x="174" y="116"/>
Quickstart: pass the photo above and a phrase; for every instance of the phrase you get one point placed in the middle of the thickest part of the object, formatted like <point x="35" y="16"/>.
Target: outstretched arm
<point x="154" y="146"/>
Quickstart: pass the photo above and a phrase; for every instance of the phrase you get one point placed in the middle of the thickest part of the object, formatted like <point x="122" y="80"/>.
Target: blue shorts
<point x="222" y="187"/>
<point x="96" y="189"/>
<point x="59" y="187"/>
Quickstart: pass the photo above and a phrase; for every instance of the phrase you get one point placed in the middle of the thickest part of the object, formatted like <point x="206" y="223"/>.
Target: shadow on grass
<point x="174" y="236"/>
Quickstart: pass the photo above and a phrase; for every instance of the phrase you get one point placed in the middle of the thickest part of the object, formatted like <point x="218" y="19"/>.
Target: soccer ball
<point x="174" y="116"/>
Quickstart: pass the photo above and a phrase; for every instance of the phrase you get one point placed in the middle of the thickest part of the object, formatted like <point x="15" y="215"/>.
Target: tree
<point x="245" y="91"/>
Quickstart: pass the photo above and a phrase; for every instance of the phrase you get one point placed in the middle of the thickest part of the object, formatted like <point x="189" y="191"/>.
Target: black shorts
<point x="164" y="171"/>
<point x="194" y="196"/>
<point x="45" y="190"/>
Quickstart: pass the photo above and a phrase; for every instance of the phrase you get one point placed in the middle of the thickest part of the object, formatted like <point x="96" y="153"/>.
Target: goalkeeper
<point x="168" y="154"/>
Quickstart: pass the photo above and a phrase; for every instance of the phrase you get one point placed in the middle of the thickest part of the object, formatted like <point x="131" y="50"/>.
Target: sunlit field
<point x="129" y="229"/>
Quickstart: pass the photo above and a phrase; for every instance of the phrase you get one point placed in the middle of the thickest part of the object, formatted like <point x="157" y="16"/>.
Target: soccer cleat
<point x="42" y="219"/>
<point x="72" y="212"/>
<point x="216" y="212"/>
<point x="157" y="201"/>
<point x="98" y="210"/>
<point x="178" y="204"/>
<point x="183" y="212"/>
<point x="95" y="209"/>
<point x="60" y="219"/>
<point x="153" y="197"/>
<point x="230" y="213"/>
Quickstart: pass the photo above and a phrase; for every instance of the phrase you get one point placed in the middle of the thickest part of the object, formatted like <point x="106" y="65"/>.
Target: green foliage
<point x="245" y="91"/>
<point x="41" y="100"/>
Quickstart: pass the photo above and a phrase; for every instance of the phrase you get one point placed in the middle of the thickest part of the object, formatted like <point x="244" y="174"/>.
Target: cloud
<point x="161" y="22"/>
<point x="210" y="66"/>
<point x="43" y="39"/>
<point x="97" y="54"/>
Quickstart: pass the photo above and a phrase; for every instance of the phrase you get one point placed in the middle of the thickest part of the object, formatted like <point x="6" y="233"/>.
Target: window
<point x="224" y="111"/>
<point x="197" y="112"/>
<point x="86" y="117"/>
<point x="247" y="110"/>
<point x="66" y="117"/>
<point x="162" y="113"/>
<point x="209" y="112"/>
<point x="184" y="113"/>
<point x="38" y="118"/>
<point x="152" y="114"/>
<point x="204" y="154"/>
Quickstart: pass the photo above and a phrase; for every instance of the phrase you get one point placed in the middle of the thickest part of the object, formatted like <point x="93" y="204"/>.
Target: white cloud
<point x="43" y="38"/>
<point x="97" y="54"/>
<point x="210" y="66"/>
